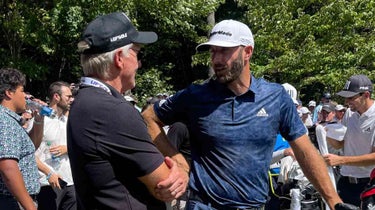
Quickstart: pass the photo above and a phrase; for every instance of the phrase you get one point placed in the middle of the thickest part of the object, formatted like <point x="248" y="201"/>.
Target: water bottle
<point x="46" y="152"/>
<point x="55" y="160"/>
<point x="43" y="110"/>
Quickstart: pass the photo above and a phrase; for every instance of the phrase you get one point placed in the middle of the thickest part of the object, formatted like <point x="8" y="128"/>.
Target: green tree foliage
<point x="315" y="45"/>
<point x="40" y="37"/>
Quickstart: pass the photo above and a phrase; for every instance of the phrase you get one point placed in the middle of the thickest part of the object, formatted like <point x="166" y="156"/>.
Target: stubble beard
<point x="233" y="72"/>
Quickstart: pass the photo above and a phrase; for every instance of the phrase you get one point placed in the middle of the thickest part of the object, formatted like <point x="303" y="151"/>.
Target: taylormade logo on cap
<point x="229" y="33"/>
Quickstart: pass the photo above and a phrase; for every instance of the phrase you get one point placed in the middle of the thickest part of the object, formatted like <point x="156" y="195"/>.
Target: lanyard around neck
<point x="95" y="83"/>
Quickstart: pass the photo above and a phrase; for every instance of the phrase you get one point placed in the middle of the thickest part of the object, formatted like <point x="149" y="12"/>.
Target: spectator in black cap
<point x="328" y="112"/>
<point x="359" y="141"/>
<point x="114" y="163"/>
<point x="326" y="98"/>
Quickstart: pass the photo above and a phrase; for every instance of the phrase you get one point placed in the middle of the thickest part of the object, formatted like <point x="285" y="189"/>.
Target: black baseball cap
<point x="356" y="84"/>
<point x="329" y="107"/>
<point x="111" y="31"/>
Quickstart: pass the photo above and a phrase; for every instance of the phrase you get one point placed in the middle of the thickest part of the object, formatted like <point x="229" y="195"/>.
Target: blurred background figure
<point x="306" y="117"/>
<point x="339" y="112"/>
<point x="27" y="120"/>
<point x="326" y="98"/>
<point x="133" y="100"/>
<point x="57" y="191"/>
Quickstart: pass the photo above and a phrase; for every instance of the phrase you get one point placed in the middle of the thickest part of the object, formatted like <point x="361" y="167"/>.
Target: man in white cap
<point x="306" y="117"/>
<point x="359" y="141"/>
<point x="233" y="120"/>
<point x="340" y="112"/>
<point x="311" y="106"/>
<point x="292" y="91"/>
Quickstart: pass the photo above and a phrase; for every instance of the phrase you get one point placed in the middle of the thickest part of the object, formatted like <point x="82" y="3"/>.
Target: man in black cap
<point x="326" y="98"/>
<point x="359" y="141"/>
<point x="328" y="113"/>
<point x="114" y="163"/>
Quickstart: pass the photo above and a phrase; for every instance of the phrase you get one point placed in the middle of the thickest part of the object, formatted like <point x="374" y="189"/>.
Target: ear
<point x="9" y="94"/>
<point x="56" y="96"/>
<point x="248" y="52"/>
<point x="119" y="58"/>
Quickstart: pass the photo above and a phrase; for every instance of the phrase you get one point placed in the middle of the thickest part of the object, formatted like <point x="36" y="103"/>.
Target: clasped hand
<point x="176" y="183"/>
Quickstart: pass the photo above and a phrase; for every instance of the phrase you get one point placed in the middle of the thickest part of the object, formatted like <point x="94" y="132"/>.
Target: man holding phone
<point x="57" y="191"/>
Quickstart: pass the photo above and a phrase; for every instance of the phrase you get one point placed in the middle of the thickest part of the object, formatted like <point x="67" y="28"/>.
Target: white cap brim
<point x="205" y="46"/>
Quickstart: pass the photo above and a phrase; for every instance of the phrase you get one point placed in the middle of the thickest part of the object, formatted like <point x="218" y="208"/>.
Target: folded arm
<point x="179" y="177"/>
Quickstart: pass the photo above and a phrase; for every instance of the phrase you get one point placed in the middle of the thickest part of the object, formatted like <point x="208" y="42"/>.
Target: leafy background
<point x="314" y="45"/>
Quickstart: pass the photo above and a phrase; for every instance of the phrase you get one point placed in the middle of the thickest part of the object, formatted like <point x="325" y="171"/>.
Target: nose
<point x="216" y="58"/>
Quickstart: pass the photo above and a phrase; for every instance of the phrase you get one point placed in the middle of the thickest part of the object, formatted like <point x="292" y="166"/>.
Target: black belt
<point x="202" y="199"/>
<point x="353" y="180"/>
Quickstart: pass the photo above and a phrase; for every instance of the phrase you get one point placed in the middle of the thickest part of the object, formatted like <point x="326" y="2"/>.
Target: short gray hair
<point x="99" y="64"/>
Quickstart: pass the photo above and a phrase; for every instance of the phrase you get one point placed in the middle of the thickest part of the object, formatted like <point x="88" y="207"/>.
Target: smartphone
<point x="62" y="183"/>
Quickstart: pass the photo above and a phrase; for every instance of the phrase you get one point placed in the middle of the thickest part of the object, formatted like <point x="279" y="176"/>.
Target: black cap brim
<point x="145" y="37"/>
<point x="346" y="94"/>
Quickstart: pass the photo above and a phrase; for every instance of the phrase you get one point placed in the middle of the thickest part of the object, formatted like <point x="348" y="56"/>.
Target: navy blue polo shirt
<point x="232" y="137"/>
<point x="109" y="148"/>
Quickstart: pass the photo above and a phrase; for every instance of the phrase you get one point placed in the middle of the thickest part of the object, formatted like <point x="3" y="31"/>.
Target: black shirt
<point x="109" y="147"/>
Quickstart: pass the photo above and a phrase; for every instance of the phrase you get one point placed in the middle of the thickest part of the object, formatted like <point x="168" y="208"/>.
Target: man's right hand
<point x="176" y="183"/>
<point x="54" y="181"/>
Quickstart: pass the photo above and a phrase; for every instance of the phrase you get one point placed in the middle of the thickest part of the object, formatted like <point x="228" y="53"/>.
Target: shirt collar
<point x="369" y="111"/>
<point x="254" y="85"/>
<point x="10" y="113"/>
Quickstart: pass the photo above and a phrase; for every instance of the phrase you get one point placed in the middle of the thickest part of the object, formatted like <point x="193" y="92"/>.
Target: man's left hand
<point x="58" y="150"/>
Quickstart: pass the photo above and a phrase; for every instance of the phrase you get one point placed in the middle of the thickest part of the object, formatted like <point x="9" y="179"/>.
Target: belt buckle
<point x="353" y="180"/>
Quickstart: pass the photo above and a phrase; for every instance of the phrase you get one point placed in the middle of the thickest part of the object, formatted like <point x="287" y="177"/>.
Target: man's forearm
<point x="361" y="160"/>
<point x="160" y="139"/>
<point x="315" y="169"/>
<point x="317" y="174"/>
<point x="36" y="133"/>
<point x="13" y="179"/>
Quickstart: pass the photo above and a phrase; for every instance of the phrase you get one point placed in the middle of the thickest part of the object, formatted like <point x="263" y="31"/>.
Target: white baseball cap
<point x="228" y="33"/>
<point x="339" y="107"/>
<point x="305" y="110"/>
<point x="312" y="103"/>
<point x="292" y="91"/>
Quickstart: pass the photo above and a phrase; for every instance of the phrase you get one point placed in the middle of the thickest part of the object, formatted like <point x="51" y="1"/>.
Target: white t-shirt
<point x="55" y="134"/>
<point x="359" y="140"/>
